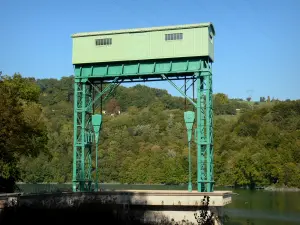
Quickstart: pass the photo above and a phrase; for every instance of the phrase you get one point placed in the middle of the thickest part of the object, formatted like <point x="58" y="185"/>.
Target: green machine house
<point x="103" y="60"/>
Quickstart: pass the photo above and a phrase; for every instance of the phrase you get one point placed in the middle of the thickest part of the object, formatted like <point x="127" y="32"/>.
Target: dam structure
<point x="102" y="61"/>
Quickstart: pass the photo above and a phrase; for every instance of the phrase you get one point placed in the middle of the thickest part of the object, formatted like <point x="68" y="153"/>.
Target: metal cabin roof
<point x="140" y="30"/>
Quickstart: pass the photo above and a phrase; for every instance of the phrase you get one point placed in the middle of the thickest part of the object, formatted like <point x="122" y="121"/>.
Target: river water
<point x="248" y="207"/>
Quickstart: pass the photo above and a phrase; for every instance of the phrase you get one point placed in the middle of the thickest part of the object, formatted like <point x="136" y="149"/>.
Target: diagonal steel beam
<point x="178" y="89"/>
<point x="112" y="89"/>
<point x="194" y="80"/>
<point x="107" y="88"/>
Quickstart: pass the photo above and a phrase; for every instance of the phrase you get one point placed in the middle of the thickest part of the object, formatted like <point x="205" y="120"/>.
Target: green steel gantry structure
<point x="104" y="60"/>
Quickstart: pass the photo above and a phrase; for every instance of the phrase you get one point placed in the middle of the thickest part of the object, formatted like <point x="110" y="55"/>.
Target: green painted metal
<point x="140" y="30"/>
<point x="178" y="89"/>
<point x="150" y="68"/>
<point x="142" y="55"/>
<point x="75" y="151"/>
<point x="86" y="93"/>
<point x="200" y="169"/>
<point x="204" y="130"/>
<point x="86" y="78"/>
<point x="82" y="163"/>
<point x="82" y="135"/>
<point x="209" y="132"/>
<point x="96" y="122"/>
<point x="189" y="118"/>
<point x="144" y="44"/>
<point x="101" y="93"/>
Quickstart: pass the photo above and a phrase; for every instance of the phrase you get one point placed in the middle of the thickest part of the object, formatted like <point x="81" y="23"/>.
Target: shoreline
<point x="282" y="189"/>
<point x="267" y="188"/>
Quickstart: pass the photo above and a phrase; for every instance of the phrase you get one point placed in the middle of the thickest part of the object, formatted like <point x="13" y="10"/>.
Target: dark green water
<point x="264" y="208"/>
<point x="248" y="207"/>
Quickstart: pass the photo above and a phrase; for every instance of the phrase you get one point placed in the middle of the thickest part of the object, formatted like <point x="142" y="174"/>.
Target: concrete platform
<point x="167" y="197"/>
<point x="148" y="205"/>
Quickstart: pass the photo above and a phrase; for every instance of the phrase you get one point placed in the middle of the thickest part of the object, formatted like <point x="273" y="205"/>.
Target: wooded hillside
<point x="147" y="142"/>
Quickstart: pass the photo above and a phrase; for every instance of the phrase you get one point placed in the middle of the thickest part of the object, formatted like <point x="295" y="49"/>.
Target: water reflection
<point x="264" y="208"/>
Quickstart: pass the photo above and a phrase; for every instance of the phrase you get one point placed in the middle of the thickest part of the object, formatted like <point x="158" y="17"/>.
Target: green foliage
<point x="55" y="91"/>
<point x="268" y="147"/>
<point x="225" y="106"/>
<point x="23" y="89"/>
<point x="147" y="142"/>
<point x="22" y="129"/>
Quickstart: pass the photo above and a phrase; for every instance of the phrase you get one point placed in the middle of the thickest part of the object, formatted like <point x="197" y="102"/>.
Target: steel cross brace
<point x="112" y="90"/>
<point x="107" y="88"/>
<point x="178" y="89"/>
<point x="194" y="80"/>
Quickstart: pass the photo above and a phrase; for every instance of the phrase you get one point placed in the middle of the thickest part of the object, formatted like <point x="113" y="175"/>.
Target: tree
<point x="148" y="143"/>
<point x="220" y="98"/>
<point x="113" y="106"/>
<point x="22" y="131"/>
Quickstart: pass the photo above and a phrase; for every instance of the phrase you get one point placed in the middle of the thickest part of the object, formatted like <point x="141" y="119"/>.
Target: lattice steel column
<point x="86" y="94"/>
<point x="200" y="138"/>
<point x="89" y="136"/>
<point x="204" y="129"/>
<point x="76" y="145"/>
<point x="83" y="134"/>
<point x="209" y="129"/>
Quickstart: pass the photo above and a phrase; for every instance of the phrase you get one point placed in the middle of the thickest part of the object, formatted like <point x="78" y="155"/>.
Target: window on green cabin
<point x="175" y="36"/>
<point x="103" y="41"/>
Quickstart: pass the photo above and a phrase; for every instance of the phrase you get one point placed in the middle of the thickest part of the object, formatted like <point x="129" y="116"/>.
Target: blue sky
<point x="257" y="44"/>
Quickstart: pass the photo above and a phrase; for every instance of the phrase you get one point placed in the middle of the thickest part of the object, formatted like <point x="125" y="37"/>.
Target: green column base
<point x="190" y="187"/>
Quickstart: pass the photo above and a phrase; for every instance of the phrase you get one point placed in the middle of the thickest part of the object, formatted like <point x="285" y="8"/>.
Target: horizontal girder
<point x="142" y="69"/>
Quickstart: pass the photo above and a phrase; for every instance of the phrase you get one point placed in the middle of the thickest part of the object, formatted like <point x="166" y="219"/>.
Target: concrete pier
<point x="173" y="207"/>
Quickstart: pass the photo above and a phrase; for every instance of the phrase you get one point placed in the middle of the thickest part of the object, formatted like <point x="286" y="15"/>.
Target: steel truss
<point x="87" y="94"/>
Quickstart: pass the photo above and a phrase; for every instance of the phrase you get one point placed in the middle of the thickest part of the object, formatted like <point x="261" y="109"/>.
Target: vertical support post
<point x="202" y="134"/>
<point x="96" y="122"/>
<point x="185" y="93"/>
<point x="209" y="131"/>
<point x="204" y="130"/>
<point x="96" y="165"/>
<point x="189" y="118"/>
<point x="190" y="185"/>
<point x="82" y="135"/>
<point x="93" y="98"/>
<point x="74" y="179"/>
<point x="193" y="92"/>
<point x="101" y="99"/>
<point x="83" y="132"/>
<point x="198" y="136"/>
<point x="89" y="137"/>
<point x="82" y="155"/>
<point x="96" y="148"/>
